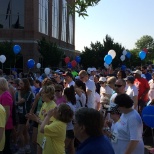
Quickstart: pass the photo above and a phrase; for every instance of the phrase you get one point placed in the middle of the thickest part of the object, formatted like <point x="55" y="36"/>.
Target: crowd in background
<point x="83" y="112"/>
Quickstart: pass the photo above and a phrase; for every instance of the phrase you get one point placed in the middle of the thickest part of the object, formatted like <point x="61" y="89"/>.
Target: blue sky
<point x="125" y="21"/>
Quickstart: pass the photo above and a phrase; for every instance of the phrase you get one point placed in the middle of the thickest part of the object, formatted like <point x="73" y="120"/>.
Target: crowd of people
<point x="92" y="112"/>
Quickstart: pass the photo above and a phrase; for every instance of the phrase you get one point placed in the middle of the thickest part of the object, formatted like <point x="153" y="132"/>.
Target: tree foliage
<point x="52" y="55"/>
<point x="6" y="48"/>
<point x="94" y="56"/>
<point x="80" y="6"/>
<point x="145" y="41"/>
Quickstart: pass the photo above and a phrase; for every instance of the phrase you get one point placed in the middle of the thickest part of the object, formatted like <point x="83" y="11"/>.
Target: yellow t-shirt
<point x="55" y="135"/>
<point x="2" y="125"/>
<point x="45" y="108"/>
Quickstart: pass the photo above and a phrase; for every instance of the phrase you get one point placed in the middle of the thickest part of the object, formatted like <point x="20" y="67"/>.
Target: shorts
<point x="70" y="134"/>
<point x="22" y="118"/>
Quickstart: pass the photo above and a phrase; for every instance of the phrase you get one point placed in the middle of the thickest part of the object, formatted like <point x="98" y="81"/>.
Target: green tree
<point x="94" y="56"/>
<point x="52" y="55"/>
<point x="145" y="41"/>
<point x="80" y="6"/>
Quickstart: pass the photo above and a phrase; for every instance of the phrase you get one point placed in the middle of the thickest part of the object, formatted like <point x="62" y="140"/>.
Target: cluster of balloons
<point x="73" y="63"/>
<point x="109" y="57"/>
<point x="16" y="49"/>
<point x="142" y="53"/>
<point x="125" y="54"/>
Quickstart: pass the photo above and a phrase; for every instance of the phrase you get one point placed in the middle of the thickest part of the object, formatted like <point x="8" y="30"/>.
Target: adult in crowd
<point x="130" y="128"/>
<point x="38" y="86"/>
<point x="2" y="128"/>
<point x="143" y="89"/>
<point x="55" y="132"/>
<point x="47" y="94"/>
<point x="69" y="79"/>
<point x="120" y="85"/>
<point x="146" y="73"/>
<point x="69" y="93"/>
<point x="105" y="90"/>
<point x="57" y="78"/>
<point x="88" y="127"/>
<point x="132" y="91"/>
<point x="151" y="91"/>
<point x="92" y="73"/>
<point x="24" y="99"/>
<point x="111" y="82"/>
<point x="7" y="102"/>
<point x="81" y="96"/>
<point x="96" y="80"/>
<point x="121" y="74"/>
<point x="90" y="88"/>
<point x="59" y="98"/>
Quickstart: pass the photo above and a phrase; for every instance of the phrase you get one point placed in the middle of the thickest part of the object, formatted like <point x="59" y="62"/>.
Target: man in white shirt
<point x="90" y="88"/>
<point x="69" y="79"/>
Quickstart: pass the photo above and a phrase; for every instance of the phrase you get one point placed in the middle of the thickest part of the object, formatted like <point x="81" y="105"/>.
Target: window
<point x="12" y="14"/>
<point x="43" y="16"/>
<point x="71" y="37"/>
<point x="55" y="19"/>
<point x="64" y="20"/>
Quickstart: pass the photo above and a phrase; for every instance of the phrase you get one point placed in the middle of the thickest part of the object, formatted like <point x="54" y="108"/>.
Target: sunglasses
<point x="118" y="85"/>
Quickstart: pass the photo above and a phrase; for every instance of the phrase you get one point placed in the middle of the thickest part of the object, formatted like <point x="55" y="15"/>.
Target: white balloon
<point x="2" y="58"/>
<point x="122" y="57"/>
<point x="124" y="52"/>
<point x="112" y="53"/>
<point x="106" y="65"/>
<point x="47" y="71"/>
<point x="38" y="65"/>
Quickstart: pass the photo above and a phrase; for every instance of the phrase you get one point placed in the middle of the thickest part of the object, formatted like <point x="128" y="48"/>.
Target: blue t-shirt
<point x="148" y="76"/>
<point x="95" y="145"/>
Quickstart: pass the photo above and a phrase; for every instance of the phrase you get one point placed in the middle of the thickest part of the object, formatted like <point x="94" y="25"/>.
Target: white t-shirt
<point x="129" y="127"/>
<point x="90" y="85"/>
<point x="97" y="99"/>
<point x="72" y="83"/>
<point x="80" y="100"/>
<point x="106" y="90"/>
<point x="132" y="91"/>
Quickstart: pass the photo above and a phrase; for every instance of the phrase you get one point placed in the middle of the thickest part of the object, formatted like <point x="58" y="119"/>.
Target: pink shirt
<point x="6" y="100"/>
<point x="60" y="100"/>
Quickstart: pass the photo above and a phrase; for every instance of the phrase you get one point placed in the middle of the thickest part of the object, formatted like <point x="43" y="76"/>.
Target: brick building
<point x="26" y="21"/>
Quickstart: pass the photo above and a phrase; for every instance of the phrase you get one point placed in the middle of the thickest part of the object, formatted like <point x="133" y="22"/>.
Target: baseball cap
<point x="103" y="79"/>
<point x="68" y="74"/>
<point x="130" y="78"/>
<point x="137" y="72"/>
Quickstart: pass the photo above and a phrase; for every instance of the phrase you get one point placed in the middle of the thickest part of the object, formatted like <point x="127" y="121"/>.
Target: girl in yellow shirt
<point x="55" y="133"/>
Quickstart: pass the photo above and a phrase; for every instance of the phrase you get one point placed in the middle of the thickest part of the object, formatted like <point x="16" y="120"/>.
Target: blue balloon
<point x="128" y="55"/>
<point x="78" y="59"/>
<point x="108" y="59"/>
<point x="142" y="55"/>
<point x="148" y="116"/>
<point x="30" y="63"/>
<point x="69" y="65"/>
<point x="16" y="49"/>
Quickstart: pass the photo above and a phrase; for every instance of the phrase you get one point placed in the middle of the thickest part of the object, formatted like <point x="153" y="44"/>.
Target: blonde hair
<point x="111" y="80"/>
<point x="49" y="90"/>
<point x="3" y="84"/>
<point x="83" y="72"/>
